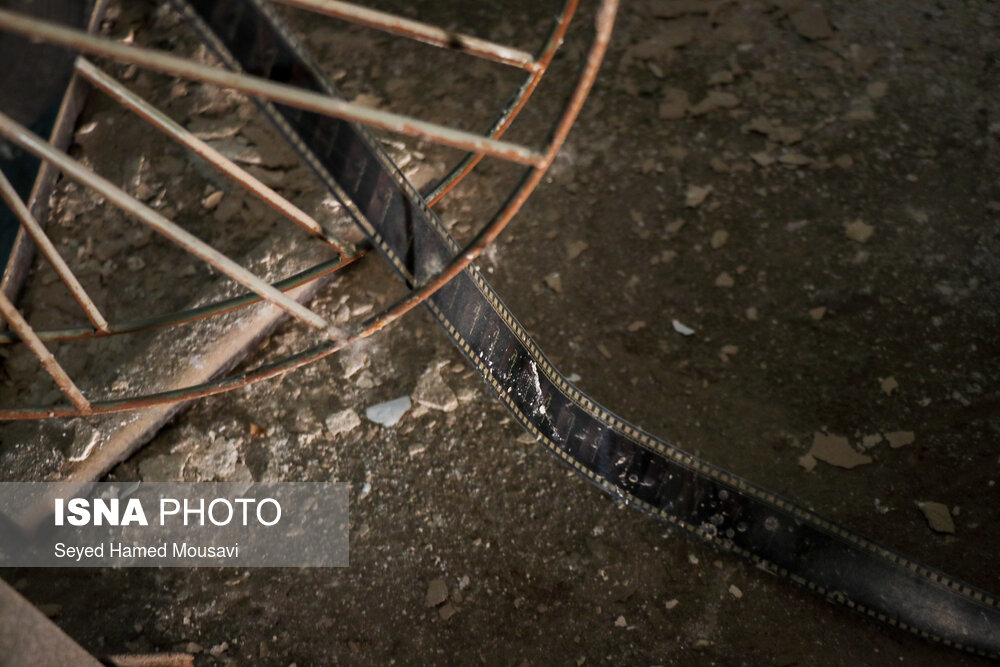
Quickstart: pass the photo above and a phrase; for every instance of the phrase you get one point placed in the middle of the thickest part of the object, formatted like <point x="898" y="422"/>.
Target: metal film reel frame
<point x="489" y="144"/>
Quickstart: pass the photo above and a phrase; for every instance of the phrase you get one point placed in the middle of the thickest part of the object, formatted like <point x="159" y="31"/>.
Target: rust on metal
<point x="22" y="253"/>
<point x="48" y="249"/>
<point x="304" y="99"/>
<point x="37" y="347"/>
<point x="189" y="315"/>
<point x="528" y="183"/>
<point x="531" y="179"/>
<point x="177" y="132"/>
<point x="73" y="169"/>
<point x="422" y="32"/>
<point x="514" y="106"/>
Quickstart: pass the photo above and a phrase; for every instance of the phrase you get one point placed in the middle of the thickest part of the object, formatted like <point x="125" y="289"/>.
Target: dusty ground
<point x="817" y="201"/>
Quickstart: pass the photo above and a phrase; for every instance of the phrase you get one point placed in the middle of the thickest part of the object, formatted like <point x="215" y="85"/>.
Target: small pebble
<point x="899" y="439"/>
<point x="554" y="282"/>
<point x="696" y="195"/>
<point x="858" y="231"/>
<point x="724" y="280"/>
<point x="938" y="517"/>
<point x="869" y="441"/>
<point x="343" y="421"/>
<point x="719" y="238"/>
<point x="889" y="385"/>
<point x="211" y="201"/>
<point x="675" y="226"/>
<point x="433" y="392"/>
<point x="390" y="412"/>
<point x="836" y="450"/>
<point x="437" y="593"/>
<point x="575" y="249"/>
<point x="681" y="328"/>
<point x="447" y="611"/>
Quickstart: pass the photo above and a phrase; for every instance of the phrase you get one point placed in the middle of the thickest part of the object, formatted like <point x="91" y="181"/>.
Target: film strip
<point x="640" y="469"/>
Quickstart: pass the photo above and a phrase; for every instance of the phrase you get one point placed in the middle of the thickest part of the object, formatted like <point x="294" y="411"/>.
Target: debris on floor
<point x="390" y="412"/>
<point x="837" y="451"/>
<point x="938" y="516"/>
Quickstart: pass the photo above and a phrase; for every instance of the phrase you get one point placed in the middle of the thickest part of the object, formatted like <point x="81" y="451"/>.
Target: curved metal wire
<point x="514" y="105"/>
<point x="459" y="171"/>
<point x="527" y="184"/>
<point x="264" y="88"/>
<point x="188" y="315"/>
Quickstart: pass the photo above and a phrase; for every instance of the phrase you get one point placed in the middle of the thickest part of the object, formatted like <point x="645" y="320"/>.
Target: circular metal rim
<point x="529" y="181"/>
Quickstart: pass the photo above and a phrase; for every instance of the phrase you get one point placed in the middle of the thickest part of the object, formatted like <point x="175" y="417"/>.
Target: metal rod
<point x="189" y="315"/>
<point x="605" y="22"/>
<point x="514" y="105"/>
<point x="22" y="253"/>
<point x="48" y="249"/>
<point x="251" y="85"/>
<point x="210" y="388"/>
<point x="37" y="347"/>
<point x="422" y="32"/>
<point x="178" y="133"/>
<point x="28" y="141"/>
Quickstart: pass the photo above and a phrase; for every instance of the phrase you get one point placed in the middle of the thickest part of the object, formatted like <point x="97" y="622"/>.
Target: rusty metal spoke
<point x="422" y="32"/>
<point x="296" y="97"/>
<point x="418" y="295"/>
<point x="37" y="347"/>
<point x="514" y="105"/>
<point x="28" y="141"/>
<point x="163" y="320"/>
<point x="177" y="132"/>
<point x="527" y="185"/>
<point x="45" y="244"/>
